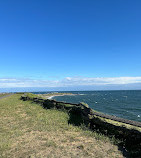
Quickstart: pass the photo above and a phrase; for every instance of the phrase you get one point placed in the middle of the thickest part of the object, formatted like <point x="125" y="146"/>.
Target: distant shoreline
<point x="56" y="95"/>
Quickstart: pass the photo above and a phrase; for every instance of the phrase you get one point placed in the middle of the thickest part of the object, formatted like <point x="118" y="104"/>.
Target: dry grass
<point x="28" y="130"/>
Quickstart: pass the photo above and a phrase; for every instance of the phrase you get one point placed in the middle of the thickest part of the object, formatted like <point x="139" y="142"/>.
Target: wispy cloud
<point x="67" y="82"/>
<point x="102" y="81"/>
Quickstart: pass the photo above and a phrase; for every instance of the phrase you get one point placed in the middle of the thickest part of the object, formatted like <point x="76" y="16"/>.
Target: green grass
<point x="3" y="94"/>
<point x="28" y="130"/>
<point x="31" y="95"/>
<point x="116" y="123"/>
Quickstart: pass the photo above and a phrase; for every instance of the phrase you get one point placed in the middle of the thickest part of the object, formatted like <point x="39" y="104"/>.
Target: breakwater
<point x="82" y="114"/>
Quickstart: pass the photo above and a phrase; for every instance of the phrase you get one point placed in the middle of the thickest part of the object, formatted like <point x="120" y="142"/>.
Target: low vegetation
<point x="28" y="130"/>
<point x="116" y="123"/>
<point x="3" y="94"/>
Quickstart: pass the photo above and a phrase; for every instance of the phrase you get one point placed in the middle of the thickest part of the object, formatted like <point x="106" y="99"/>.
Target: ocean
<point x="125" y="104"/>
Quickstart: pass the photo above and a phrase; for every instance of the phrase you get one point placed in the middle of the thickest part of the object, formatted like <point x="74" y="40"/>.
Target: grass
<point x="116" y="123"/>
<point x="28" y="130"/>
<point x="31" y="95"/>
<point x="3" y="94"/>
<point x="119" y="123"/>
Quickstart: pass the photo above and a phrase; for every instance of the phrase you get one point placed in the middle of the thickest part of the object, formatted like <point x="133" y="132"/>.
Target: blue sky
<point x="59" y="43"/>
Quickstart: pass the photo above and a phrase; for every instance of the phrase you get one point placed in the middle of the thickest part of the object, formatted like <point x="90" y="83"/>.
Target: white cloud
<point x="68" y="81"/>
<point x="101" y="81"/>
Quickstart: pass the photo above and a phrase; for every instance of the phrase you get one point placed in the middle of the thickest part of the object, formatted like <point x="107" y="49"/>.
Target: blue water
<point x="124" y="104"/>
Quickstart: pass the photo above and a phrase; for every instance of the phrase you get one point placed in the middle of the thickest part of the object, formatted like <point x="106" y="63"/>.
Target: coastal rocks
<point x="48" y="104"/>
<point x="130" y="138"/>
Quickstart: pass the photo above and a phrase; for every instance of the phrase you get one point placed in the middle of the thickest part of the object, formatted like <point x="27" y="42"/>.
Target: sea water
<point x="124" y="104"/>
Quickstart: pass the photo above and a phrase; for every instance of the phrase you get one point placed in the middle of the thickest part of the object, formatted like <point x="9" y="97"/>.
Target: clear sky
<point x="69" y="42"/>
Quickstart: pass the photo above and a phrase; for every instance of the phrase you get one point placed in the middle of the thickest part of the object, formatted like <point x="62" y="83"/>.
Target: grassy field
<point x="28" y="130"/>
<point x="3" y="94"/>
